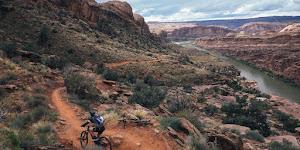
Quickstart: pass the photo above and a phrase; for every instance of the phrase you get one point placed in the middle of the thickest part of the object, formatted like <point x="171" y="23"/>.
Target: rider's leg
<point x="101" y="130"/>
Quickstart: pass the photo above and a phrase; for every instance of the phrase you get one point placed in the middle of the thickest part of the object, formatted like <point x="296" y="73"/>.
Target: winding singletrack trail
<point x="115" y="65"/>
<point x="71" y="131"/>
<point x="134" y="138"/>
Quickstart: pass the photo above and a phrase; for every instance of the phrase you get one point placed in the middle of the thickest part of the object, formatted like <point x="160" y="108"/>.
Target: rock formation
<point x="256" y="28"/>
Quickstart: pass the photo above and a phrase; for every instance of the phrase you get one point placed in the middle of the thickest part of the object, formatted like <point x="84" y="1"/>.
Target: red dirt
<point x="132" y="134"/>
<point x="115" y="65"/>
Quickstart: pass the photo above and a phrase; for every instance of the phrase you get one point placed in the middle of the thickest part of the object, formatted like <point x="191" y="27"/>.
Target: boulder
<point x="116" y="140"/>
<point x="88" y="65"/>
<point x="175" y="135"/>
<point x="189" y="128"/>
<point x="108" y="82"/>
<point x="227" y="141"/>
<point x="161" y="110"/>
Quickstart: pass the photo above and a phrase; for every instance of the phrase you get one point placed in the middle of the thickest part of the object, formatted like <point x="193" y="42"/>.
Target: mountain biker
<point x="97" y="120"/>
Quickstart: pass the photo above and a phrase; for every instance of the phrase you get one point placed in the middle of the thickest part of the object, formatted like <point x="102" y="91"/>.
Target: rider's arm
<point x="85" y="123"/>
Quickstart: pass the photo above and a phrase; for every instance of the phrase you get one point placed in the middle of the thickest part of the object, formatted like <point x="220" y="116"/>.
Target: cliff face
<point x="279" y="53"/>
<point x="200" y="31"/>
<point x="256" y="28"/>
<point x="113" y="18"/>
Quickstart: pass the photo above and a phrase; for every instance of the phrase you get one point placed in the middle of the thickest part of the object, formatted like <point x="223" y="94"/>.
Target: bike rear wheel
<point x="104" y="143"/>
<point x="84" y="139"/>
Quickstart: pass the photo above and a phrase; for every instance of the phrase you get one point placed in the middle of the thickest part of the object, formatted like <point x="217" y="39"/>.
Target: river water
<point x="265" y="83"/>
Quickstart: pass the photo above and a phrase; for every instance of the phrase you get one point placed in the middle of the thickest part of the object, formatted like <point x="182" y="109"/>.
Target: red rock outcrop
<point x="256" y="28"/>
<point x="279" y="53"/>
<point x="140" y="21"/>
<point x="114" y="18"/>
<point x="188" y="33"/>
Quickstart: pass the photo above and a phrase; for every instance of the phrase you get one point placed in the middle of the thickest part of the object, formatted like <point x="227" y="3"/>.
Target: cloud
<point x="191" y="10"/>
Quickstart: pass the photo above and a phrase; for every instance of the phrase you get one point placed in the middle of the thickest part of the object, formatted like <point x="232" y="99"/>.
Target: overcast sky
<point x="194" y="10"/>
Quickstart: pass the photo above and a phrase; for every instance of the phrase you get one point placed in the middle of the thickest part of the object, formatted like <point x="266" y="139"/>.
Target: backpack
<point x="99" y="119"/>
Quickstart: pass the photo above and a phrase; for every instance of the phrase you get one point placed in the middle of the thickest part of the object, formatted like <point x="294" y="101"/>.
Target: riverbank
<point x="266" y="83"/>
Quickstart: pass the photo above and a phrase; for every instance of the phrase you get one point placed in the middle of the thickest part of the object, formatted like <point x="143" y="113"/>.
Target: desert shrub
<point x="43" y="128"/>
<point x="30" y="47"/>
<point x="179" y="103"/>
<point x="252" y="116"/>
<point x="254" y="135"/>
<point x="149" y="97"/>
<point x="149" y="79"/>
<point x="140" y="113"/>
<point x="9" y="140"/>
<point x="36" y="100"/>
<point x="10" y="49"/>
<point x="111" y="74"/>
<point x="285" y="145"/>
<point x="40" y="112"/>
<point x="234" y="85"/>
<point x="7" y="76"/>
<point x="188" y="88"/>
<point x="131" y="77"/>
<point x="46" y="139"/>
<point x="274" y="132"/>
<point x="210" y="109"/>
<point x="289" y="124"/>
<point x="172" y="122"/>
<point x="139" y="85"/>
<point x="201" y="100"/>
<point x="55" y="62"/>
<point x="2" y="93"/>
<point x="197" y="143"/>
<point x="26" y="139"/>
<point x="43" y="36"/>
<point x="100" y="68"/>
<point x="20" y="122"/>
<point x="39" y="89"/>
<point x="82" y="86"/>
<point x="232" y="130"/>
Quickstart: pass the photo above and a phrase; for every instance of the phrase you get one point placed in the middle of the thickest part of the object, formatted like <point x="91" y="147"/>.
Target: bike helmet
<point x="92" y="112"/>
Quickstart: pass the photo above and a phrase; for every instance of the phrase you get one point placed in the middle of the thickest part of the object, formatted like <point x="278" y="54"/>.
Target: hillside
<point x="59" y="59"/>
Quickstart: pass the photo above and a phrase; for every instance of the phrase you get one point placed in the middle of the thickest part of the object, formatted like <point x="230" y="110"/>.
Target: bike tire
<point x="104" y="143"/>
<point x="124" y="124"/>
<point x="84" y="139"/>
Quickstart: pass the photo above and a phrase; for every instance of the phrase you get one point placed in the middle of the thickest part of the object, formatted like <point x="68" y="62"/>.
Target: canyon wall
<point x="279" y="53"/>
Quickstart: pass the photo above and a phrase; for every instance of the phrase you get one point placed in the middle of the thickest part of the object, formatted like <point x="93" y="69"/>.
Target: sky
<point x="196" y="10"/>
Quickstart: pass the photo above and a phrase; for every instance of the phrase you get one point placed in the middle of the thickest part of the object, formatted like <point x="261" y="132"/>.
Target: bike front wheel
<point x="84" y="139"/>
<point x="104" y="143"/>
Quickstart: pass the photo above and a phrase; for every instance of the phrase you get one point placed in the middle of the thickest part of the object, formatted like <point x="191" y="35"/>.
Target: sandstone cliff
<point x="256" y="28"/>
<point x="279" y="53"/>
<point x="113" y="18"/>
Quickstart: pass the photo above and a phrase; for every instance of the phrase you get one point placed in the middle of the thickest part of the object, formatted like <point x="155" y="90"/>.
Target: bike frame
<point x="91" y="132"/>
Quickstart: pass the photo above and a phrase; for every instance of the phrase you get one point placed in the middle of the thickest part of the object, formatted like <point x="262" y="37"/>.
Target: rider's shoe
<point x="95" y="139"/>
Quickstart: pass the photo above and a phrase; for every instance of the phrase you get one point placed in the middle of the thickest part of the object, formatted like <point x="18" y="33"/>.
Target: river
<point x="265" y="83"/>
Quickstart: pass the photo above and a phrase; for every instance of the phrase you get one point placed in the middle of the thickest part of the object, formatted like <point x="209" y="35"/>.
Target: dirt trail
<point x="71" y="131"/>
<point x="115" y="65"/>
<point x="133" y="135"/>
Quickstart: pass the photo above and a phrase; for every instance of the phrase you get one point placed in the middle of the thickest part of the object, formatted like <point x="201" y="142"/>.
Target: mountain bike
<point x="103" y="142"/>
